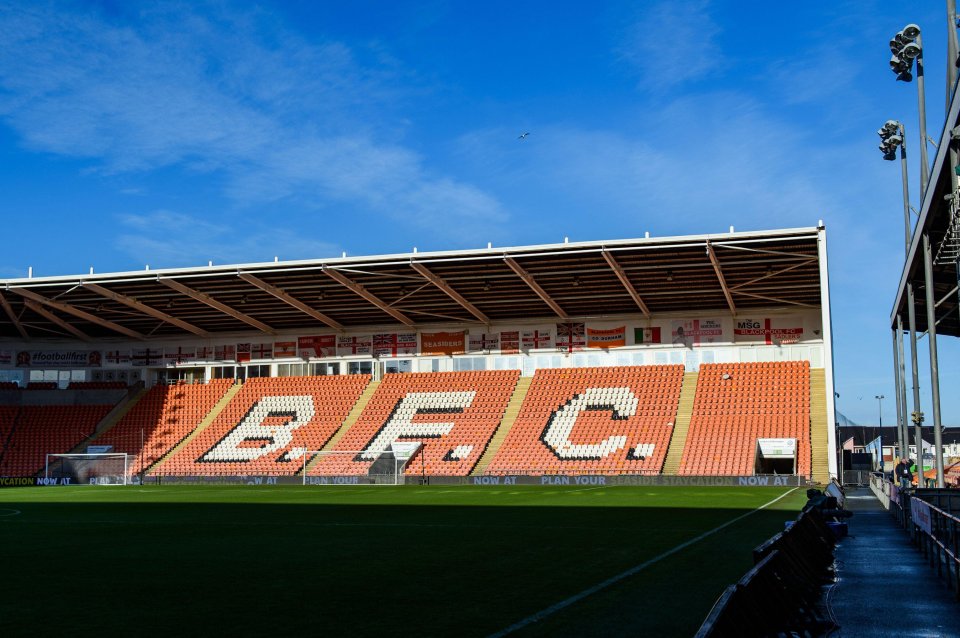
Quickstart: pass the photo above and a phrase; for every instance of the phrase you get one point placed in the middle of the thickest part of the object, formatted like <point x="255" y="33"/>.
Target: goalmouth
<point x="104" y="468"/>
<point x="387" y="469"/>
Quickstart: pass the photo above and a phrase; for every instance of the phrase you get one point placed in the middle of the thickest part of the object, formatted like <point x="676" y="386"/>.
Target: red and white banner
<point x="173" y="356"/>
<point x="571" y="336"/>
<point x="696" y="332"/>
<point x="537" y="339"/>
<point x="485" y="342"/>
<point x="441" y="342"/>
<point x="362" y="344"/>
<point x="6" y="357"/>
<point x="771" y="331"/>
<point x="317" y="346"/>
<point x="285" y="349"/>
<point x="146" y="357"/>
<point x="393" y="345"/>
<point x="243" y="352"/>
<point x="646" y="335"/>
<point x="510" y="342"/>
<point x="610" y="338"/>
<point x="204" y="353"/>
<point x="225" y="353"/>
<point x="117" y="357"/>
<point x="262" y="351"/>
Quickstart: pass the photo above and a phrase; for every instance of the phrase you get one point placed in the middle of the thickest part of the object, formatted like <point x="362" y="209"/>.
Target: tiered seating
<point x="42" y="385"/>
<point x="737" y="403"/>
<point x="42" y="430"/>
<point x="163" y="417"/>
<point x="615" y="420"/>
<point x="266" y="425"/>
<point x="9" y="385"/>
<point x="454" y="415"/>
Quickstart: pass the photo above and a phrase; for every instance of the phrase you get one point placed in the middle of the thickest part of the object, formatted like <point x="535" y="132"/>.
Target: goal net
<point x="338" y="467"/>
<point x="107" y="468"/>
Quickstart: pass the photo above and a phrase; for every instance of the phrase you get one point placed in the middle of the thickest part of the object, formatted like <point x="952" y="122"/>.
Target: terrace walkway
<point x="885" y="587"/>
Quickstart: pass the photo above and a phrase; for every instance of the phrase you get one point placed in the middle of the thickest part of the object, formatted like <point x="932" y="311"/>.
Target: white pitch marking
<point x="613" y="580"/>
<point x="9" y="511"/>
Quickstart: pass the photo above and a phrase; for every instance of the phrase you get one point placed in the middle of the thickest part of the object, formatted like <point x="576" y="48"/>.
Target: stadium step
<point x="207" y="420"/>
<point x="509" y="418"/>
<point x="682" y="424"/>
<point x="352" y="418"/>
<point x="112" y="418"/>
<point x="819" y="426"/>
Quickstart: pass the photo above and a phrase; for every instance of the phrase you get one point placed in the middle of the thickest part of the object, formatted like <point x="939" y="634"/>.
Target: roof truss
<point x="7" y="308"/>
<point x="723" y="282"/>
<point x="449" y="291"/>
<point x="145" y="309"/>
<point x="622" y="276"/>
<point x="358" y="289"/>
<point x="290" y="300"/>
<point x="76" y="312"/>
<point x="49" y="316"/>
<point x="213" y="303"/>
<point x="535" y="287"/>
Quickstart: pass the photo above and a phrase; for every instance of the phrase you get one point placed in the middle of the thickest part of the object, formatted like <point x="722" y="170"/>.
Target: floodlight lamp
<point x="895" y="46"/>
<point x="894" y="141"/>
<point x="892" y="125"/>
<point x="895" y="61"/>
<point x="883" y="133"/>
<point x="904" y="76"/>
<point x="910" y="32"/>
<point x="911" y="52"/>
<point x="890" y="155"/>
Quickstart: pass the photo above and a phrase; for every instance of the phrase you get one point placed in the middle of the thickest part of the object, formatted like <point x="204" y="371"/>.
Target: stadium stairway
<point x="207" y="420"/>
<point x="509" y="418"/>
<point x="355" y="413"/>
<point x="819" y="442"/>
<point x="684" y="412"/>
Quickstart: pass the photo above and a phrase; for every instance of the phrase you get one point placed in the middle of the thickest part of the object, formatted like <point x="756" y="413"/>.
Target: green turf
<point x="357" y="561"/>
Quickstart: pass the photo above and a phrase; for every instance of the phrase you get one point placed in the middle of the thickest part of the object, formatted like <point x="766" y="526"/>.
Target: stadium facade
<point x="675" y="304"/>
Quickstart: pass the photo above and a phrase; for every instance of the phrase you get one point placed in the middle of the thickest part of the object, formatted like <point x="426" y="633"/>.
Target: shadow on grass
<point x="337" y="569"/>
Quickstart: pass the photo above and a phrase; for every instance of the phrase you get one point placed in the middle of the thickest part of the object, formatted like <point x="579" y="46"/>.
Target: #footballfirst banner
<point x="59" y="358"/>
<point x="442" y="342"/>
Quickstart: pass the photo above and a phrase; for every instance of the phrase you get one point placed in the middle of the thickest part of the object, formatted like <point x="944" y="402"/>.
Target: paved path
<point x="885" y="587"/>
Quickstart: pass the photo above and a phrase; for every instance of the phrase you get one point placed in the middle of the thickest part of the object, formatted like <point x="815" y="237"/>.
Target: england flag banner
<point x="146" y="357"/>
<point x="571" y="336"/>
<point x="485" y="342"/>
<point x="205" y="353"/>
<point x="696" y="332"/>
<point x="779" y="330"/>
<point x="174" y="356"/>
<point x="318" y="346"/>
<point x="393" y="345"/>
<point x="262" y="351"/>
<point x="611" y="338"/>
<point x="357" y="344"/>
<point x="117" y="357"/>
<point x="537" y="339"/>
<point x="225" y="353"/>
<point x="510" y="342"/>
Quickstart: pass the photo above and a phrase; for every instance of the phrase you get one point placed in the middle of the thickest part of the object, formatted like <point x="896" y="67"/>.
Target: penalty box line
<point x="613" y="580"/>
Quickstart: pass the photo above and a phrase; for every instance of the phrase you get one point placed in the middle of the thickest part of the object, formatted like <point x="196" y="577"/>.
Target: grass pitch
<point x="362" y="561"/>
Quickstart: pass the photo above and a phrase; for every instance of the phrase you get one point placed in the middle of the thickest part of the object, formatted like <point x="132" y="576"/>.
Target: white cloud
<point x="672" y="43"/>
<point x="237" y="96"/>
<point x="166" y="238"/>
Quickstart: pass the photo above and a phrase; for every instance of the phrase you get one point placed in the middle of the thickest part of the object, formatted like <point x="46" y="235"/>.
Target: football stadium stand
<point x="453" y="414"/>
<point x="267" y="426"/>
<point x="41" y="429"/>
<point x="737" y="403"/>
<point x="614" y="420"/>
<point x="162" y="418"/>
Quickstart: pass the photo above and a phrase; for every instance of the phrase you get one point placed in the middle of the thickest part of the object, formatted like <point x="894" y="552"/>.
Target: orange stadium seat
<point x="615" y="420"/>
<point x="755" y="400"/>
<point x="454" y="415"/>
<point x="38" y="430"/>
<point x="162" y="418"/>
<point x="267" y="425"/>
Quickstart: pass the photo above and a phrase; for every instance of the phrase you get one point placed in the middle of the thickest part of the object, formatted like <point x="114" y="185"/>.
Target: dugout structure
<point x="737" y="297"/>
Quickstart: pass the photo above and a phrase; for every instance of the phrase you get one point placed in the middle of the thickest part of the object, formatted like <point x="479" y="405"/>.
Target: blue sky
<point x="171" y="134"/>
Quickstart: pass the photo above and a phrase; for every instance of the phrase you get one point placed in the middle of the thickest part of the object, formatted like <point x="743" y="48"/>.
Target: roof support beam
<point x="369" y="296"/>
<point x="535" y="287"/>
<point x="49" y="316"/>
<point x="213" y="303"/>
<point x="723" y="282"/>
<point x="776" y="299"/>
<point x="76" y="312"/>
<point x="145" y="309"/>
<point x="7" y="308"/>
<point x="450" y="292"/>
<point x="622" y="276"/>
<point x="290" y="300"/>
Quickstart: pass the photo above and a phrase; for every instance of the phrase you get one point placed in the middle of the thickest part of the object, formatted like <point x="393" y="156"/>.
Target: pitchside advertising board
<point x="777" y="480"/>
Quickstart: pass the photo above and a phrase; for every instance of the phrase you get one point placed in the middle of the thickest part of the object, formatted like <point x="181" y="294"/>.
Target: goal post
<point x="387" y="470"/>
<point x="104" y="468"/>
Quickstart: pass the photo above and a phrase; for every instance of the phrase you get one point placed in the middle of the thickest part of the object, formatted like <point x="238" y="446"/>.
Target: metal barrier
<point x="860" y="478"/>
<point x="930" y="516"/>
